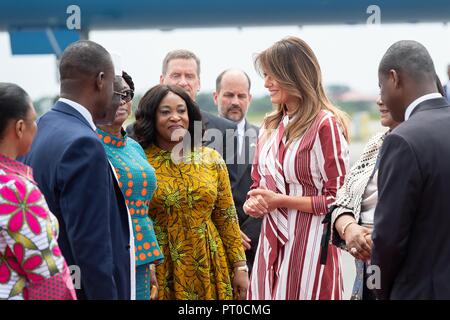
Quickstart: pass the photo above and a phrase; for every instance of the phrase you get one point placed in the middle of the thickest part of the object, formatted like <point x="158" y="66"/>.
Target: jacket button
<point x="128" y="247"/>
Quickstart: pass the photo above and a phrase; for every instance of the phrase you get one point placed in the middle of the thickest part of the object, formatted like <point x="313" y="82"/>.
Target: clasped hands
<point x="260" y="202"/>
<point x="358" y="240"/>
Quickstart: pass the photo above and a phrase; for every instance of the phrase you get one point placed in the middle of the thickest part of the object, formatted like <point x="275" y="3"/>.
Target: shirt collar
<point x="241" y="126"/>
<point x="82" y="110"/>
<point x="419" y="100"/>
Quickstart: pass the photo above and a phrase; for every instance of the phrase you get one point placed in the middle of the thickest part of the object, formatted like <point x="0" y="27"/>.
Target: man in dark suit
<point x="411" y="242"/>
<point x="232" y="97"/>
<point x="72" y="170"/>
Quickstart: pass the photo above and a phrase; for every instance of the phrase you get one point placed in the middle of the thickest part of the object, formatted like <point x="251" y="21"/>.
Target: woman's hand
<point x="269" y="198"/>
<point x="358" y="240"/>
<point x="153" y="282"/>
<point x="246" y="242"/>
<point x="256" y="207"/>
<point x="240" y="284"/>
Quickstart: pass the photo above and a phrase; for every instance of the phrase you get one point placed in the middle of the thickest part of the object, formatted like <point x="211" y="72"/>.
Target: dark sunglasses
<point x="126" y="96"/>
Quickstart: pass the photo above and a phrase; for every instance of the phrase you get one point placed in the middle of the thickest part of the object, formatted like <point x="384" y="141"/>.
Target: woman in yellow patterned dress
<point x="192" y="208"/>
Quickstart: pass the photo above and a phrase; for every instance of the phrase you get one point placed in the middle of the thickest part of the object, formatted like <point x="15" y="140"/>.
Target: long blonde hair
<point x="293" y="64"/>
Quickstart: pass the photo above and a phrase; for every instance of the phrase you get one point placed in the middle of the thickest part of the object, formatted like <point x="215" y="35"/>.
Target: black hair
<point x="409" y="57"/>
<point x="83" y="58"/>
<point x="14" y="104"/>
<point x="128" y="80"/>
<point x="145" y="125"/>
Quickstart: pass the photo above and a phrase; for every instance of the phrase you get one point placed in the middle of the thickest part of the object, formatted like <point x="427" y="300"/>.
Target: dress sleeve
<point x="331" y="150"/>
<point x="32" y="248"/>
<point x="349" y="196"/>
<point x="225" y="217"/>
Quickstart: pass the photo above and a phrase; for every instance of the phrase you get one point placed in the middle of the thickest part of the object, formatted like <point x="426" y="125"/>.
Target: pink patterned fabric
<point x="58" y="287"/>
<point x="31" y="264"/>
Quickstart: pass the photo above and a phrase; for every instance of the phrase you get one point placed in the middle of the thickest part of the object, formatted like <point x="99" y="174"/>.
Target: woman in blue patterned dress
<point x="137" y="181"/>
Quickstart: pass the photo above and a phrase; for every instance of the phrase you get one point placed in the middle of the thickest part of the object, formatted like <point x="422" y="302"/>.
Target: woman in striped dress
<point x="300" y="162"/>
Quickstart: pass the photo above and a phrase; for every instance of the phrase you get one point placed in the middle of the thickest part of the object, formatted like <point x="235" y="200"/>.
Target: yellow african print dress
<point x="196" y="225"/>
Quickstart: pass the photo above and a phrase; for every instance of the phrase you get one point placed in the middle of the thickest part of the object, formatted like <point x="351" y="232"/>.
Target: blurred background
<point x="348" y="56"/>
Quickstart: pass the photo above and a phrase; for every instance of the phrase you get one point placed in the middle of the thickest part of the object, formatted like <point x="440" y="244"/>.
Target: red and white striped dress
<point x="287" y="263"/>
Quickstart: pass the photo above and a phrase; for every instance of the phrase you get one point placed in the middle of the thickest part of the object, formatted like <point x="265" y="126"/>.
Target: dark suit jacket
<point x="412" y="219"/>
<point x="72" y="170"/>
<point x="219" y="135"/>
<point x="243" y="180"/>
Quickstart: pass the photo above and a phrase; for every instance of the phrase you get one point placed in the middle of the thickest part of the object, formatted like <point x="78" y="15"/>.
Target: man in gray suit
<point x="232" y="97"/>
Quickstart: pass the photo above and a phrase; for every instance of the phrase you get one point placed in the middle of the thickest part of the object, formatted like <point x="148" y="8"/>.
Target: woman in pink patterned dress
<point x="31" y="264"/>
<point x="300" y="162"/>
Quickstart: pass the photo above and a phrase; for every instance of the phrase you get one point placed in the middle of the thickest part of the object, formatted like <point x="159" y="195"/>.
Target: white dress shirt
<point x="82" y="110"/>
<point x="416" y="102"/>
<point x="241" y="134"/>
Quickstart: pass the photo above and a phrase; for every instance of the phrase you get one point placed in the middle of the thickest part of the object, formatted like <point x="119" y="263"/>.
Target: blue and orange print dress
<point x="137" y="181"/>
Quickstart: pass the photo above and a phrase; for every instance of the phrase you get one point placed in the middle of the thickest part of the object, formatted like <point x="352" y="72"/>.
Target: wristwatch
<point x="242" y="268"/>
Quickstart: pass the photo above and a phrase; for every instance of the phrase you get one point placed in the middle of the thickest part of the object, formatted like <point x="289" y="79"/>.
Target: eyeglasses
<point x="126" y="96"/>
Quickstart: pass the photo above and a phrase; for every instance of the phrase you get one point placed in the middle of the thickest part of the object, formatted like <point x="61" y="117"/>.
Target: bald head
<point x="84" y="58"/>
<point x="232" y="95"/>
<point x="406" y="72"/>
<point x="411" y="59"/>
<point x="87" y="77"/>
<point x="232" y="73"/>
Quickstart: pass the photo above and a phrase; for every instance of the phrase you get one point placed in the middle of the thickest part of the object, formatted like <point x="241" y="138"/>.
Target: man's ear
<point x="395" y="78"/>
<point x="161" y="79"/>
<point x="216" y="98"/>
<point x="100" y="80"/>
<point x="20" y="127"/>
